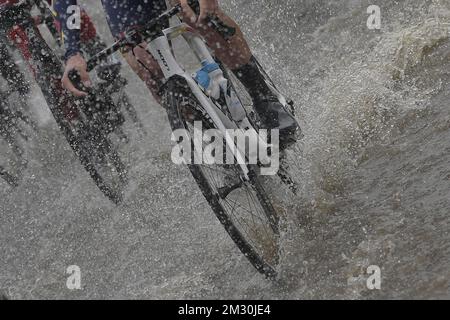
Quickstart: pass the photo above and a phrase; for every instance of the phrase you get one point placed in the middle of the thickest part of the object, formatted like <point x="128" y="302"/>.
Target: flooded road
<point x="374" y="171"/>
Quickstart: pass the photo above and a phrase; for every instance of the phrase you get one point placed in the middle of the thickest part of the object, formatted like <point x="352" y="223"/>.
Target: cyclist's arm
<point x="70" y="30"/>
<point x="71" y="37"/>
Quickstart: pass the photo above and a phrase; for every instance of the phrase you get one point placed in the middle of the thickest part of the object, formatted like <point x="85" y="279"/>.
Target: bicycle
<point x="85" y="133"/>
<point x="108" y="73"/>
<point x="234" y="192"/>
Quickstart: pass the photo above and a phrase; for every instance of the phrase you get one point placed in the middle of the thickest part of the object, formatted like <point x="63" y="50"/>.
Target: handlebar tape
<point x="75" y="78"/>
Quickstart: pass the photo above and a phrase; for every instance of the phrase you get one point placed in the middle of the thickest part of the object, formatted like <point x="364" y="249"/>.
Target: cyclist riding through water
<point x="234" y="52"/>
<point x="235" y="192"/>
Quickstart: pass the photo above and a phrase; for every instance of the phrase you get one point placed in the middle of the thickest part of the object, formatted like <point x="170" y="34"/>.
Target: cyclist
<point x="91" y="44"/>
<point x="234" y="52"/>
<point x="88" y="33"/>
<point x="88" y="37"/>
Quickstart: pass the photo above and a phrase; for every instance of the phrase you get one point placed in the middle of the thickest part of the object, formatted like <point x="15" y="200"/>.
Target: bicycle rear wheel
<point x="243" y="207"/>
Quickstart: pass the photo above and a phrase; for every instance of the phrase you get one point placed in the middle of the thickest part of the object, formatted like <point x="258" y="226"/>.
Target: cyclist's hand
<point x="207" y="8"/>
<point x="77" y="63"/>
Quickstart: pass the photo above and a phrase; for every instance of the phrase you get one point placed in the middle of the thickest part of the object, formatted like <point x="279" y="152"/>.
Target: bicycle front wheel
<point x="243" y="207"/>
<point x="92" y="146"/>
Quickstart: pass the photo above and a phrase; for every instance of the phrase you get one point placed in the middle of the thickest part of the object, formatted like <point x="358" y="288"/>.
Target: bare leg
<point x="147" y="68"/>
<point x="233" y="52"/>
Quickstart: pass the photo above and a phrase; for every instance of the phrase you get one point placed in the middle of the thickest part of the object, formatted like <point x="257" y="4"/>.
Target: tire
<point x="264" y="256"/>
<point x="12" y="158"/>
<point x="85" y="138"/>
<point x="128" y="107"/>
<point x="103" y="163"/>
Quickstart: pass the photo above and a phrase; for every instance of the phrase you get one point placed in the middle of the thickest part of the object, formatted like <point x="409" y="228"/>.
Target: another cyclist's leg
<point x="147" y="68"/>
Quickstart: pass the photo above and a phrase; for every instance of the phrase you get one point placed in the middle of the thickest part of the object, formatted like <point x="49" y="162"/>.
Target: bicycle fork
<point x="162" y="52"/>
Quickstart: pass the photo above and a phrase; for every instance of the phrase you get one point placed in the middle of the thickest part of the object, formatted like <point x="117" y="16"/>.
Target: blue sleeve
<point x="71" y="36"/>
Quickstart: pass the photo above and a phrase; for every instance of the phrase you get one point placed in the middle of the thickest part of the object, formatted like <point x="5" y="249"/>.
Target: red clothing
<point x="8" y="2"/>
<point x="88" y="30"/>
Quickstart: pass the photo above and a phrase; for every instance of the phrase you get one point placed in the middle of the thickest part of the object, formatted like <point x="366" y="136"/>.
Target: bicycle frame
<point x="161" y="50"/>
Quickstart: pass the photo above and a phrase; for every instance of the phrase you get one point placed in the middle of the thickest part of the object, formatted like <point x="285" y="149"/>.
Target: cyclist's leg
<point x="145" y="66"/>
<point x="125" y="15"/>
<point x="19" y="38"/>
<point x="233" y="52"/>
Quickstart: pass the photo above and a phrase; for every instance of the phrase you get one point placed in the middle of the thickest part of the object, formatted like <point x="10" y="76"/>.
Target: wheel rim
<point x="104" y="167"/>
<point x="245" y="205"/>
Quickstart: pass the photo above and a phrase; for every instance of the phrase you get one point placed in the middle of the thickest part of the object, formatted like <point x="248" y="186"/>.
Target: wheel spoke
<point x="248" y="216"/>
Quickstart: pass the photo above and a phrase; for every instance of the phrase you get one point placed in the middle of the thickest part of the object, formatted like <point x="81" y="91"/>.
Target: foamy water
<point x="373" y="170"/>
